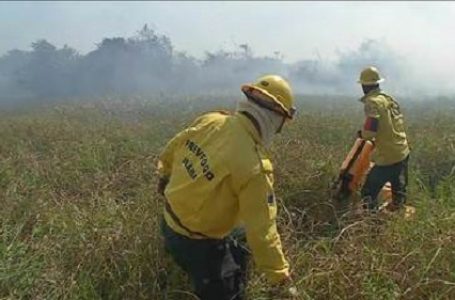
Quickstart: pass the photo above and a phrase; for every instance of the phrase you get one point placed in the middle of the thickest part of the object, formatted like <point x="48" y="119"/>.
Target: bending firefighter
<point x="385" y="126"/>
<point x="216" y="176"/>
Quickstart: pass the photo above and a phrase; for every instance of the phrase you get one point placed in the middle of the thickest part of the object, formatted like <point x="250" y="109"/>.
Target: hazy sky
<point x="424" y="30"/>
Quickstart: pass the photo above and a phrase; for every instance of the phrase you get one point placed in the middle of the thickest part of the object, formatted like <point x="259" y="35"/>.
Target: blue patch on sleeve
<point x="371" y="124"/>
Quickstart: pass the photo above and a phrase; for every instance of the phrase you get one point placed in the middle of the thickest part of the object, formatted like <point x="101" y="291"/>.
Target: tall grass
<point x="80" y="216"/>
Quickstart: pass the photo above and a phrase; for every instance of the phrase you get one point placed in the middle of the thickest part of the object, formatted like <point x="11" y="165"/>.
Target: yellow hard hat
<point x="370" y="76"/>
<point x="272" y="92"/>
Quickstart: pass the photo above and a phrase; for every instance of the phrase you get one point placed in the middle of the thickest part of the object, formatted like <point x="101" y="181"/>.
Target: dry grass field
<point x="80" y="216"/>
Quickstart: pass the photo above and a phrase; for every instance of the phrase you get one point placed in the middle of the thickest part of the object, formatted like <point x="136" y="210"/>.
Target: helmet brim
<point x="248" y="88"/>
<point x="370" y="82"/>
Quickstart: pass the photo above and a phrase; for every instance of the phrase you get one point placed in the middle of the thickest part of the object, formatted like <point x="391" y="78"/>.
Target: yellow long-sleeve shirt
<point x="219" y="177"/>
<point x="384" y="123"/>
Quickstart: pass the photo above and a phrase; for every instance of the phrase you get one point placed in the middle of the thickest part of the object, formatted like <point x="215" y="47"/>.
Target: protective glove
<point x="359" y="134"/>
<point x="293" y="292"/>
<point x="286" y="289"/>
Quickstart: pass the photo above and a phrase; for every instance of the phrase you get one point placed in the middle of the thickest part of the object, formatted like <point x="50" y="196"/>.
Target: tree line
<point x="147" y="63"/>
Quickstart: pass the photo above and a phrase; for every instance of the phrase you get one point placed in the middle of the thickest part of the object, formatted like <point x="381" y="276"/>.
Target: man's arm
<point x="258" y="212"/>
<point x="371" y="124"/>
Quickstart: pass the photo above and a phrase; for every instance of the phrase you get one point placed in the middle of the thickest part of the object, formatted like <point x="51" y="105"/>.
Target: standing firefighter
<point x="216" y="175"/>
<point x="385" y="126"/>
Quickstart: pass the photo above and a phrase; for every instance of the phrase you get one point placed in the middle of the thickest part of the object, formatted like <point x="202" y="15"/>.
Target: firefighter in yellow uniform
<point x="216" y="175"/>
<point x="384" y="125"/>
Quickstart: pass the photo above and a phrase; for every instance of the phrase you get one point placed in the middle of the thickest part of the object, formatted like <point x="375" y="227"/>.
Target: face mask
<point x="270" y="123"/>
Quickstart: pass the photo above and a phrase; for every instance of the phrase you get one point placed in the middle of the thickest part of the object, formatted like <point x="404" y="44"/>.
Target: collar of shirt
<point x="370" y="93"/>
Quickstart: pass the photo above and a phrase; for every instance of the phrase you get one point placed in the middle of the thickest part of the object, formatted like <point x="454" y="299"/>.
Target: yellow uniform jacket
<point x="384" y="123"/>
<point x="220" y="177"/>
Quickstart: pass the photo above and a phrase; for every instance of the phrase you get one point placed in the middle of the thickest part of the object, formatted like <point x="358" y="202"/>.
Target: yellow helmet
<point x="272" y="92"/>
<point x="370" y="76"/>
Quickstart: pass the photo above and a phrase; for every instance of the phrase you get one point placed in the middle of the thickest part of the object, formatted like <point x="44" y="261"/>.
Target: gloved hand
<point x="359" y="134"/>
<point x="293" y="292"/>
<point x="285" y="289"/>
<point x="162" y="183"/>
